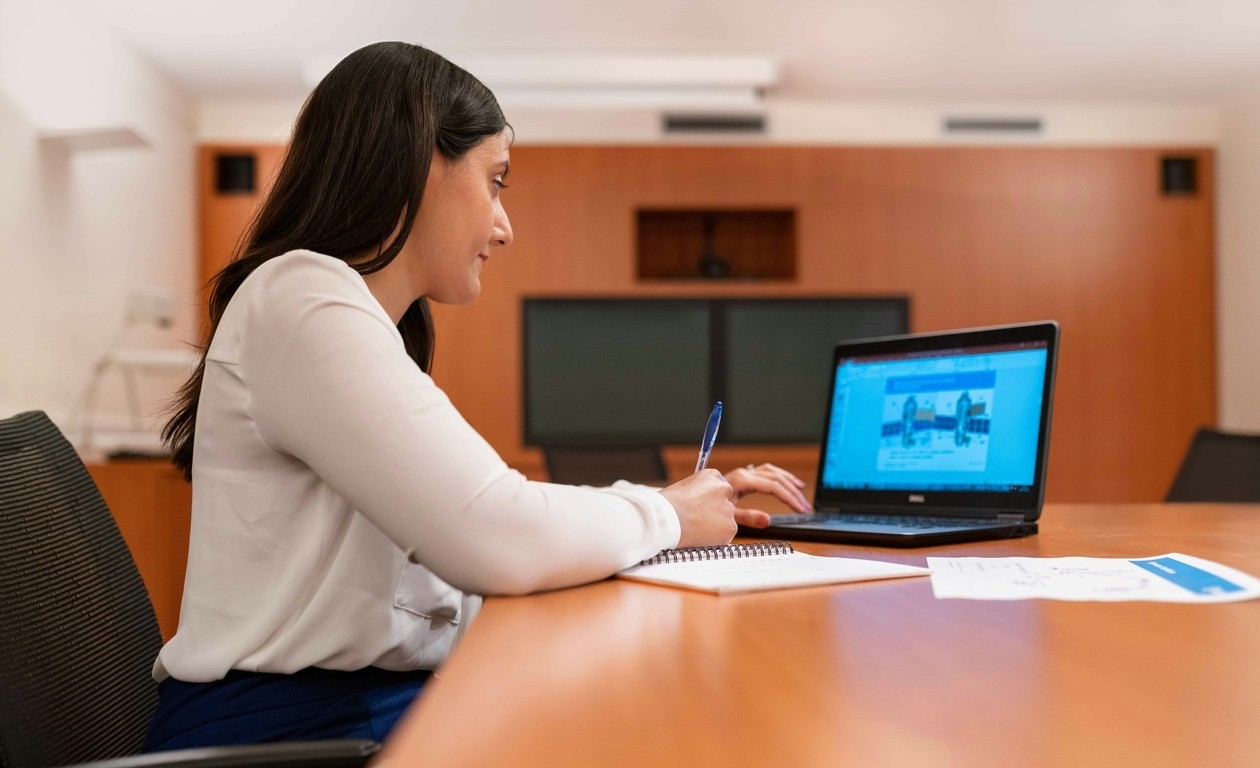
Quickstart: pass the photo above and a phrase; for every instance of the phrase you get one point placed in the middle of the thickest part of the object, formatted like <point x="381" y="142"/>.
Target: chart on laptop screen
<point x="937" y="421"/>
<point x="967" y="421"/>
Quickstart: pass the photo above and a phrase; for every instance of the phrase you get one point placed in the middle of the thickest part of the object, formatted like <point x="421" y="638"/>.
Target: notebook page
<point x="796" y="569"/>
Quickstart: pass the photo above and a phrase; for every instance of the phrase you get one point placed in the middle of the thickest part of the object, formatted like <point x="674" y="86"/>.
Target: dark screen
<point x="616" y="371"/>
<point x="777" y="366"/>
<point x="647" y="371"/>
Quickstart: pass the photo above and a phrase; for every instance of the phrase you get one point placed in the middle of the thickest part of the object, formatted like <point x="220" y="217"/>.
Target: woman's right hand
<point x="705" y="504"/>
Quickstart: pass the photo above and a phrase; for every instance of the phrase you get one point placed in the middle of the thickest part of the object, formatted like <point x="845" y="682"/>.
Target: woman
<point x="343" y="512"/>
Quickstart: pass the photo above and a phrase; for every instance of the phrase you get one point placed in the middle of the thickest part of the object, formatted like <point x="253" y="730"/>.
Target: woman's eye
<point x="498" y="182"/>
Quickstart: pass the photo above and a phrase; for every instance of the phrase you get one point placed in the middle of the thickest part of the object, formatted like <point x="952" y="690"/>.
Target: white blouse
<point x="341" y="503"/>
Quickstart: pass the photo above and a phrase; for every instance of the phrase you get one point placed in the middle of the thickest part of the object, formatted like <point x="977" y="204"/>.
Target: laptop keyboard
<point x="900" y="521"/>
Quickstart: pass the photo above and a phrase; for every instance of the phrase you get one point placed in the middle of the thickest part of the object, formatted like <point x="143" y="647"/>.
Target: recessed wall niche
<point x="750" y="244"/>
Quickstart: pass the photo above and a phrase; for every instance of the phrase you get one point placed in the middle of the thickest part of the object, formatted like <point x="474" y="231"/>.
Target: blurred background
<point x="1095" y="162"/>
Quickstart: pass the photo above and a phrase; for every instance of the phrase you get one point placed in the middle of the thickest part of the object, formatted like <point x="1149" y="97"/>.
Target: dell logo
<point x="917" y="498"/>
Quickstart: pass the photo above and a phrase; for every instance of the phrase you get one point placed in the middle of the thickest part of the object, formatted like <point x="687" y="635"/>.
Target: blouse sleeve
<point x="331" y="385"/>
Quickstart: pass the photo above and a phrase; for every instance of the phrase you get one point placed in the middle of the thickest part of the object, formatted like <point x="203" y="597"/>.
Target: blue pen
<point x="710" y="435"/>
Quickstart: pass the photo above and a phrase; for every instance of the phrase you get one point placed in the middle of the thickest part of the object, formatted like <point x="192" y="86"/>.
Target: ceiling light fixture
<point x="612" y="81"/>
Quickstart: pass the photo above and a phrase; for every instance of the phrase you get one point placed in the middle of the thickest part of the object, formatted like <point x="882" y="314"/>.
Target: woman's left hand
<point x="766" y="478"/>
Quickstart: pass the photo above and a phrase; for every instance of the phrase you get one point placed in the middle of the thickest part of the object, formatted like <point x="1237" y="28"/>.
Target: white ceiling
<point x="837" y="49"/>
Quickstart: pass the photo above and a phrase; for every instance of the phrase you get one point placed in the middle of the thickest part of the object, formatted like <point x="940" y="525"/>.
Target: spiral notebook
<point x="737" y="568"/>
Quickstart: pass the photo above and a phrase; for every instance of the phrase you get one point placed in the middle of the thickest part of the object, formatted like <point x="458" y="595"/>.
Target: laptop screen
<point x="964" y="419"/>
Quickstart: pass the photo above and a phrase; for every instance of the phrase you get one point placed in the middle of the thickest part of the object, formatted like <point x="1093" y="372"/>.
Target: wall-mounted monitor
<point x="633" y="371"/>
<point x="776" y="365"/>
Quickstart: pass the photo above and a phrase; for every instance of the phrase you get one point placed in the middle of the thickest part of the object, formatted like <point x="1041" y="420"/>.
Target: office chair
<point x="584" y="465"/>
<point x="1219" y="467"/>
<point x="78" y="635"/>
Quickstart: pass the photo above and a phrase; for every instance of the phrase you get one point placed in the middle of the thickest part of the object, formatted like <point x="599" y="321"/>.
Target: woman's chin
<point x="466" y="295"/>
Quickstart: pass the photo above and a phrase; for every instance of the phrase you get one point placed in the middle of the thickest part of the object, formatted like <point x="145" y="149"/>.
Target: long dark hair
<point x="358" y="158"/>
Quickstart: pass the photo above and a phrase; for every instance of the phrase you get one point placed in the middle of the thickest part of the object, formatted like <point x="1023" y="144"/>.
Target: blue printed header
<point x="941" y="382"/>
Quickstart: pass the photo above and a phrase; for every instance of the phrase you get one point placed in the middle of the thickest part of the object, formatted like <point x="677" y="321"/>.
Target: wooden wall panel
<point x="223" y="218"/>
<point x="975" y="236"/>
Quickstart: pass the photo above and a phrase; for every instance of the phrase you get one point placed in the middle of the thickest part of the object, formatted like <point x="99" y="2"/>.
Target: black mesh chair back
<point x="1219" y="467"/>
<point x="605" y="465"/>
<point x="78" y="634"/>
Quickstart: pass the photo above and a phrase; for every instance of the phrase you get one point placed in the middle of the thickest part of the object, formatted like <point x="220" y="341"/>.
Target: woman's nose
<point x="502" y="228"/>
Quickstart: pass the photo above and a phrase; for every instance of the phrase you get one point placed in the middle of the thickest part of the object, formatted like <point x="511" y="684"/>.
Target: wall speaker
<point x="234" y="174"/>
<point x="1180" y="175"/>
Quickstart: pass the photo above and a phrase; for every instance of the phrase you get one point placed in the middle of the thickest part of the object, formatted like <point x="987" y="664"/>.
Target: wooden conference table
<point x="881" y="673"/>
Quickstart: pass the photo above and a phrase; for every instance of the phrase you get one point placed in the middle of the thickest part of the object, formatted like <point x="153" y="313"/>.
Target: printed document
<point x="1171" y="578"/>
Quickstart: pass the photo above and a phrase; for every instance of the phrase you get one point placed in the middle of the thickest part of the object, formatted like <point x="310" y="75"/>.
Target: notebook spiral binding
<point x="723" y="552"/>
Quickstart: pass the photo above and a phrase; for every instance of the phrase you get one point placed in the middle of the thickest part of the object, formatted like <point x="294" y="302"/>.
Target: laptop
<point x="933" y="439"/>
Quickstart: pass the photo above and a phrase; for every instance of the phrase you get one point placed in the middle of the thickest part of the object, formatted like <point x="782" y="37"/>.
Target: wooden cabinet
<point x="716" y="244"/>
<point x="153" y="507"/>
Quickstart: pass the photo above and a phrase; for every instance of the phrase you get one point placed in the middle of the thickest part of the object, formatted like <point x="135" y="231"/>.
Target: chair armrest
<point x="315" y="754"/>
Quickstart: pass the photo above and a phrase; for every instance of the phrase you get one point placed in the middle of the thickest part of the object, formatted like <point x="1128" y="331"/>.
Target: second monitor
<point x="638" y="371"/>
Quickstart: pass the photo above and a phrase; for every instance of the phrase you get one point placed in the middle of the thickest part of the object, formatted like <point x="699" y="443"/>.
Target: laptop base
<point x="892" y="537"/>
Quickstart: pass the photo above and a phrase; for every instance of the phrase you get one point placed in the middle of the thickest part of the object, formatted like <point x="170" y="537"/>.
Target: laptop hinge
<point x="1013" y="517"/>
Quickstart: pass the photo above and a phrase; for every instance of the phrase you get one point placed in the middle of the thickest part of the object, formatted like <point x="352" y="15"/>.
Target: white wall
<point x="794" y="122"/>
<point x="246" y="121"/>
<point x="1238" y="265"/>
<point x="81" y="230"/>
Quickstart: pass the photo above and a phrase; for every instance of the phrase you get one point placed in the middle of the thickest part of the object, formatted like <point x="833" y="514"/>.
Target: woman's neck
<point x="394" y="296"/>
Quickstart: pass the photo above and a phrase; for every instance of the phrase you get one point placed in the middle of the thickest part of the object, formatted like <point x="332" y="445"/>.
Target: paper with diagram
<point x="1172" y="578"/>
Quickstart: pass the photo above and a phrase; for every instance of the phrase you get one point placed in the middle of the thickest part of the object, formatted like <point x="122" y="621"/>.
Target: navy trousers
<point x="259" y="708"/>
